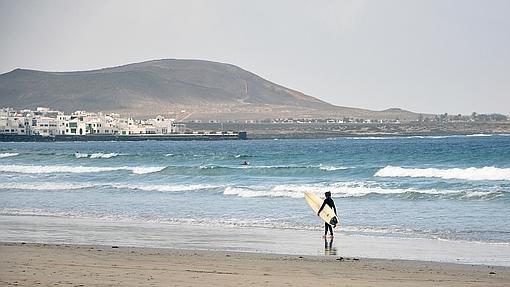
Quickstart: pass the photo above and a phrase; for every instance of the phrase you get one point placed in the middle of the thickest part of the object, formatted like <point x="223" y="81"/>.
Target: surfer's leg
<point x="328" y="226"/>
<point x="325" y="229"/>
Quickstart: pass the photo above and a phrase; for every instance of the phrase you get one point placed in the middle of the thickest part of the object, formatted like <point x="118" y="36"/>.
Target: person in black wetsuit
<point x="329" y="201"/>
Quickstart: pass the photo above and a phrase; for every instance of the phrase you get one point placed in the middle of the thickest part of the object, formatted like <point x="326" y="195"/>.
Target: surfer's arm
<point x="322" y="206"/>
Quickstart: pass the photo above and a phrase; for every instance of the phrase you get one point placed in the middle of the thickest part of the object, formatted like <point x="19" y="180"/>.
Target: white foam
<point x="417" y="137"/>
<point x="237" y="222"/>
<point x="247" y="192"/>
<point x="165" y="188"/>
<point x="145" y="170"/>
<point x="45" y="186"/>
<point x="483" y="194"/>
<point x="479" y="135"/>
<point x="354" y="189"/>
<point x="332" y="168"/>
<point x="341" y="189"/>
<point x="8" y="154"/>
<point x="320" y="167"/>
<point x="471" y="173"/>
<point x="73" y="186"/>
<point x="103" y="155"/>
<point x="208" y="166"/>
<point x="45" y="169"/>
<point x="368" y="138"/>
<point x="33" y="212"/>
<point x="349" y="189"/>
<point x="96" y="155"/>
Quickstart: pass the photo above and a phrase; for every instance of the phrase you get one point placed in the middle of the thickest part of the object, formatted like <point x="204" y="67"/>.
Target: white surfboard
<point x="327" y="214"/>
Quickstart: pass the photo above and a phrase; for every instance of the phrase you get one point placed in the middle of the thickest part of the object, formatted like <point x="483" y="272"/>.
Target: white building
<point x="45" y="126"/>
<point x="159" y="125"/>
<point x="11" y="122"/>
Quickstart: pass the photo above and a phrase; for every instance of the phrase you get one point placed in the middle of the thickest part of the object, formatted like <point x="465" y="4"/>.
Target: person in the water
<point x="329" y="201"/>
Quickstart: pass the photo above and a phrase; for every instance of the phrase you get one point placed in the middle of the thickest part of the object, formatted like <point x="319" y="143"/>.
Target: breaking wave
<point x="332" y="168"/>
<point x="74" y="186"/>
<point x="479" y="135"/>
<point x="46" y="169"/>
<point x="165" y="187"/>
<point x="280" y="167"/>
<point x="471" y="173"/>
<point x="46" y="186"/>
<point x="355" y="189"/>
<point x="352" y="189"/>
<point x="8" y="154"/>
<point x="96" y="155"/>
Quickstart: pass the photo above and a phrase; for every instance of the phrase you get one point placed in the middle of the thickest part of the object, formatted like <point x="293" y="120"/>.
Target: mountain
<point x="186" y="89"/>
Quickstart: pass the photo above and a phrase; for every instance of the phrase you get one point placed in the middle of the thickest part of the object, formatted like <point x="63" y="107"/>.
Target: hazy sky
<point x="426" y="56"/>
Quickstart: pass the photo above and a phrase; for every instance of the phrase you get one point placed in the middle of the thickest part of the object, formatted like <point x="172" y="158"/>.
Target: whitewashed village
<point x="47" y="122"/>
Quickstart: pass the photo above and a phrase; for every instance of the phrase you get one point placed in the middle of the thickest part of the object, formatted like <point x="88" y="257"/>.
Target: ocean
<point x="444" y="188"/>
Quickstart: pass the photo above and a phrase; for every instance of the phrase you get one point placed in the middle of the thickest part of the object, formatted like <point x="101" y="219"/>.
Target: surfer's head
<point x="327" y="194"/>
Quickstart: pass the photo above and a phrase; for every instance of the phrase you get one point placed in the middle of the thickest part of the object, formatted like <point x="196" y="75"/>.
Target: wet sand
<point x="55" y="230"/>
<point x="82" y="265"/>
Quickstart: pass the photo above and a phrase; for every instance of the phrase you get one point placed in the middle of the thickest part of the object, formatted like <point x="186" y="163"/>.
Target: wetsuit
<point x="329" y="201"/>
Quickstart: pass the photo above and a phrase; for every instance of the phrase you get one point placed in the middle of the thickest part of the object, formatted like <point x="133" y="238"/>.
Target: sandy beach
<point x="85" y="265"/>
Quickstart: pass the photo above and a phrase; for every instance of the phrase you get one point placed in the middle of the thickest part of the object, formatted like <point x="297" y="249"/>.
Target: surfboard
<point x="327" y="214"/>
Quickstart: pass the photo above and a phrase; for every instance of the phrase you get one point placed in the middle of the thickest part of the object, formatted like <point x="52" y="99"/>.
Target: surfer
<point x="329" y="201"/>
<point x="245" y="163"/>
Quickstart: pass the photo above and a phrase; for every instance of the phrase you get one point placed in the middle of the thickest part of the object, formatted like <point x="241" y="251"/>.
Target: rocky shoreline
<point x="327" y="130"/>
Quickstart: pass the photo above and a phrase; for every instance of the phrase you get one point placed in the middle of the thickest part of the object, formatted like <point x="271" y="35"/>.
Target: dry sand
<point x="80" y="265"/>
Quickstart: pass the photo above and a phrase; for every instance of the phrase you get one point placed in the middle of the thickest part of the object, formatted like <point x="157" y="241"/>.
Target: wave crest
<point x="277" y="167"/>
<point x="46" y="186"/>
<point x="355" y="189"/>
<point x="46" y="169"/>
<point x="165" y="188"/>
<point x="8" y="154"/>
<point x="471" y="173"/>
<point x="95" y="155"/>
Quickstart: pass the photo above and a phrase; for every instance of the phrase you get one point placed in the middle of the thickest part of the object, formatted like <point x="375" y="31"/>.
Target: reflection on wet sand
<point x="328" y="247"/>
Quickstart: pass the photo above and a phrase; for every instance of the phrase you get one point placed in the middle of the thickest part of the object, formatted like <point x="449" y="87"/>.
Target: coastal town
<point x="45" y="123"/>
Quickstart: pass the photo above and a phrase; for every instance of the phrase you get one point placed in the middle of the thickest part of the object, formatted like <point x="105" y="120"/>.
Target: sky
<point x="429" y="56"/>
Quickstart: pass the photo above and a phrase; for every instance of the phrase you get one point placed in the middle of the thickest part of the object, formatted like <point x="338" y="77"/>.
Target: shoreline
<point x="337" y="130"/>
<point x="105" y="265"/>
<point x="252" y="136"/>
<point x="268" y="131"/>
<point x="56" y="230"/>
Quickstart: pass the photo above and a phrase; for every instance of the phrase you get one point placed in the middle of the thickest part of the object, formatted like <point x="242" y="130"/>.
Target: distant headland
<point x="183" y="89"/>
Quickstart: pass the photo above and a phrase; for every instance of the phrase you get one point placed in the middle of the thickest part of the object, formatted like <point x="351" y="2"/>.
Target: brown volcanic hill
<point x="192" y="89"/>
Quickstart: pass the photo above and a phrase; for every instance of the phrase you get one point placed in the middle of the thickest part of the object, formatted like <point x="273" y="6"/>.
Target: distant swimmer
<point x="245" y="163"/>
<point x="329" y="201"/>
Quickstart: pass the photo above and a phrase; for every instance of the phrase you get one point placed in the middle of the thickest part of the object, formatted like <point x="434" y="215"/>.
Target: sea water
<point x="453" y="188"/>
